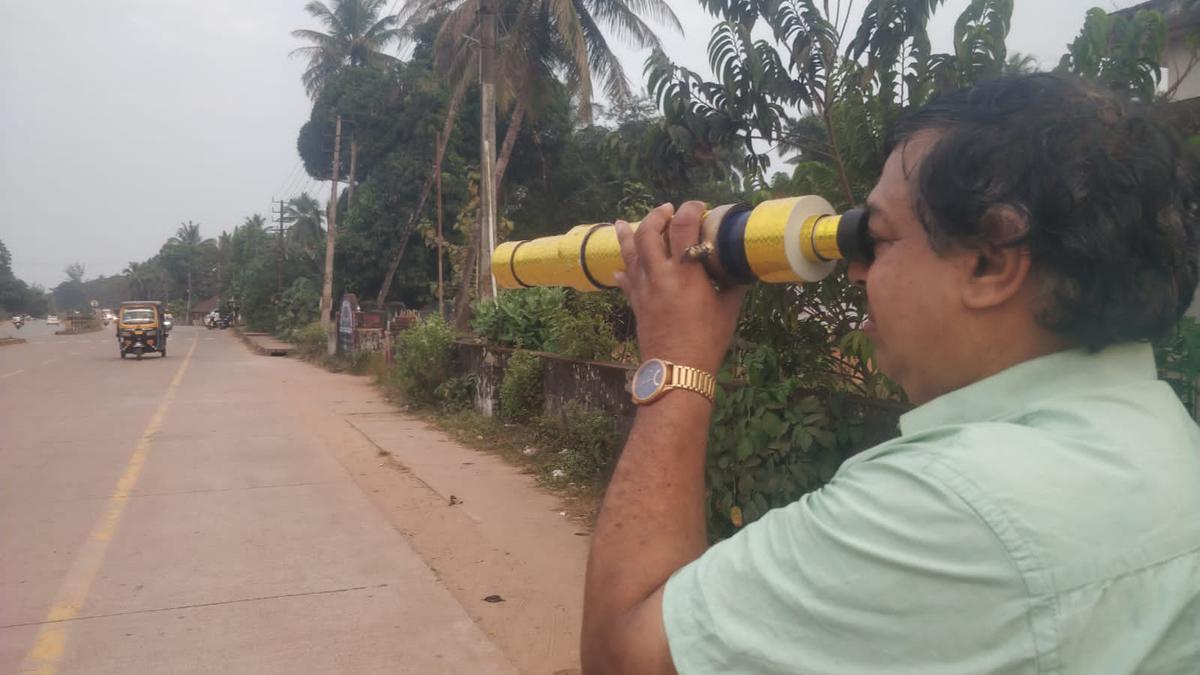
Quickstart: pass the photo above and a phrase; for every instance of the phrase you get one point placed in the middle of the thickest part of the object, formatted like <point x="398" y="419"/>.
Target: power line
<point x="291" y="176"/>
<point x="291" y="188"/>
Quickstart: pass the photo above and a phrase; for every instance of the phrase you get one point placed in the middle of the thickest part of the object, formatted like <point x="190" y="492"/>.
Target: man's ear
<point x="1002" y="263"/>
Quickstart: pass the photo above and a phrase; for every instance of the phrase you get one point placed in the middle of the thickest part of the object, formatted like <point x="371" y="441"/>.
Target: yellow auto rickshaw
<point x="140" y="328"/>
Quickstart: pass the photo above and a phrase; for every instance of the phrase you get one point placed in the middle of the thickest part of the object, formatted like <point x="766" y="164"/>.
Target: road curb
<point x="265" y="344"/>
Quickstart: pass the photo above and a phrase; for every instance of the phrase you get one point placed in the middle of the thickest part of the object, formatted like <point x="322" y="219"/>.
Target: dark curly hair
<point x="1109" y="192"/>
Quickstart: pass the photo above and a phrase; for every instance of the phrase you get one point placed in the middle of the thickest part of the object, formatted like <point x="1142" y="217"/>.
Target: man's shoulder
<point x="1114" y="492"/>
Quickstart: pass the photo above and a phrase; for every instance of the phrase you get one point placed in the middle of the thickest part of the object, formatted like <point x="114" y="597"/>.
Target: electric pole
<point x="487" y="142"/>
<point x="279" y="264"/>
<point x="437" y="176"/>
<point x="330" y="236"/>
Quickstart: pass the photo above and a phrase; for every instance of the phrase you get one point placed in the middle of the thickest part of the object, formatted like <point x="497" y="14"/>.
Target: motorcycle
<point x="18" y="323"/>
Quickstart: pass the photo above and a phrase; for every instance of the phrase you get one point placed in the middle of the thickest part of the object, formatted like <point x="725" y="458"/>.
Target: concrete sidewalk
<point x="268" y="345"/>
<point x="201" y="523"/>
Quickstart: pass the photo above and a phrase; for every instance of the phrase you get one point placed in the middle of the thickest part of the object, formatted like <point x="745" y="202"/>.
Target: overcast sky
<point x="120" y="119"/>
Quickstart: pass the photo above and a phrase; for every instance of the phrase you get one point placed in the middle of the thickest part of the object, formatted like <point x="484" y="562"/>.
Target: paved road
<point x="170" y="515"/>
<point x="34" y="330"/>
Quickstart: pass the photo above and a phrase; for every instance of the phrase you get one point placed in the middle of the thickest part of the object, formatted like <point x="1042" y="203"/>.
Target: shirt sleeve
<point x="884" y="570"/>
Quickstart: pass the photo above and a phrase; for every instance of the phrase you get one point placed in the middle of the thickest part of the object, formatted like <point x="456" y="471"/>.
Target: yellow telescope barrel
<point x="787" y="240"/>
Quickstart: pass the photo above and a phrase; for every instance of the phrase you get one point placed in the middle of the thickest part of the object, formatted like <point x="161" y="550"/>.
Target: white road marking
<point x="48" y="362"/>
<point x="15" y="372"/>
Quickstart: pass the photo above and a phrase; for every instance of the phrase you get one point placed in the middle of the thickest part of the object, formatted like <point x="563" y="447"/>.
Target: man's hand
<point x="680" y="316"/>
<point x="652" y="520"/>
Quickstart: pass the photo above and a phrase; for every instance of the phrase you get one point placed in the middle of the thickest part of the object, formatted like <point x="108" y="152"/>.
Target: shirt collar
<point x="1018" y="388"/>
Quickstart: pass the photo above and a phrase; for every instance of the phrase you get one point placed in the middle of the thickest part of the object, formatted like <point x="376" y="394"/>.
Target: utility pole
<point x="279" y="264"/>
<point x="330" y="237"/>
<point x="353" y="164"/>
<point x="487" y="142"/>
<point x="437" y="177"/>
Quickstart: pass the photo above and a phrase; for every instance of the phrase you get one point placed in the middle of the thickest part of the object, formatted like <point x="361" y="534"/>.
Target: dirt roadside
<point x="505" y="548"/>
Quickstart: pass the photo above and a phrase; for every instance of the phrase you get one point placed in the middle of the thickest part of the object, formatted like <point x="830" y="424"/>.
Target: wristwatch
<point x="656" y="377"/>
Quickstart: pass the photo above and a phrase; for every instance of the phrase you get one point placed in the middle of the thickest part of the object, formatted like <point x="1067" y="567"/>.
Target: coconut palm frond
<point x="604" y="63"/>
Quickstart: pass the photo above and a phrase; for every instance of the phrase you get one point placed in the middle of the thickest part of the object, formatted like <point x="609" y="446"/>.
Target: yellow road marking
<point x="43" y="658"/>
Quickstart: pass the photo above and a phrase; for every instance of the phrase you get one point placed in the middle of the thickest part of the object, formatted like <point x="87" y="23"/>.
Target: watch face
<point x="649" y="378"/>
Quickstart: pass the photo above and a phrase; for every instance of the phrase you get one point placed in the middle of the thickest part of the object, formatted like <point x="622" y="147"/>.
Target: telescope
<point x="780" y="241"/>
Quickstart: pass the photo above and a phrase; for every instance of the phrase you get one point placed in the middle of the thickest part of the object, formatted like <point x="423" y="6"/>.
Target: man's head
<point x="1022" y="216"/>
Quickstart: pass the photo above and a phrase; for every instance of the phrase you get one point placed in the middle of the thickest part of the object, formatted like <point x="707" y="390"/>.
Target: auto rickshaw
<point x="140" y="328"/>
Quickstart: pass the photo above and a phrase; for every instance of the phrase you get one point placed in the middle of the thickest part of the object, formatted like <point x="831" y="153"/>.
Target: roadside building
<point x="200" y="309"/>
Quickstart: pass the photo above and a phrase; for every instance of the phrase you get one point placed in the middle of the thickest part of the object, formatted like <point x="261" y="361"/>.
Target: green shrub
<point x="521" y="388"/>
<point x="357" y="362"/>
<point x="299" y="306"/>
<point x="456" y="394"/>
<point x="523" y="318"/>
<point x="585" y="442"/>
<point x="310" y="340"/>
<point x="1178" y="358"/>
<point x="585" y="336"/>
<point x="770" y="443"/>
<point x="424" y="359"/>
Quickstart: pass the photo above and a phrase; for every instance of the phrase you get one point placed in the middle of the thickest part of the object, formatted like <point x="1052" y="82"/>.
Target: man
<point x="1040" y="512"/>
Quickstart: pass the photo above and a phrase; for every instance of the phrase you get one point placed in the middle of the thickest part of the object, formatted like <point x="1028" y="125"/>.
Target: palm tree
<point x="1020" y="63"/>
<point x="545" y="38"/>
<point x="303" y="215"/>
<point x="356" y="37"/>
<point x="254" y="222"/>
<point x="224" y="252"/>
<point x="187" y="248"/>
<point x="138" y="273"/>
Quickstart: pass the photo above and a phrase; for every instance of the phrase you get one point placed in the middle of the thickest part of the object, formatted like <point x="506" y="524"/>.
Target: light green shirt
<point x="1043" y="520"/>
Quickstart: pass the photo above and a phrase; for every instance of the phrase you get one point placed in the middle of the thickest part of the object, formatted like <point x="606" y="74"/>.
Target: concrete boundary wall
<point x="603" y="387"/>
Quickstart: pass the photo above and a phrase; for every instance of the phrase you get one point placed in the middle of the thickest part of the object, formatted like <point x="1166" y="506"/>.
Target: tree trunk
<point x="487" y="140"/>
<point x="510" y="141"/>
<point x="451" y="113"/>
<point x="330" y="237"/>
<point x="827" y="118"/>
<point x="462" y="301"/>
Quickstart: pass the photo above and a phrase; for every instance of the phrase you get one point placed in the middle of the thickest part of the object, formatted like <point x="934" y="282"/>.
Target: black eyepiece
<point x="853" y="237"/>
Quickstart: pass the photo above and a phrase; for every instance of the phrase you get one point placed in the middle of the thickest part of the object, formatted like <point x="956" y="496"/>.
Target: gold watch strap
<point x="693" y="379"/>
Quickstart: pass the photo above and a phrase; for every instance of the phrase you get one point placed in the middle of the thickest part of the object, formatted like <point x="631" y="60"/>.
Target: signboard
<point x="368" y="319"/>
<point x="345" y="323"/>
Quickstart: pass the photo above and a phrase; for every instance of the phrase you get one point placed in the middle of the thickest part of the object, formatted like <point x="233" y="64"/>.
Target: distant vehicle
<point x="52" y="320"/>
<point x="18" y="321"/>
<point x="140" y="329"/>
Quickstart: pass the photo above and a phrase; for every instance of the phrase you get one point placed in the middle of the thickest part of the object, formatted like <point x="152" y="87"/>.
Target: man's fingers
<point x="625" y="237"/>
<point x="651" y="246"/>
<point x="684" y="230"/>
